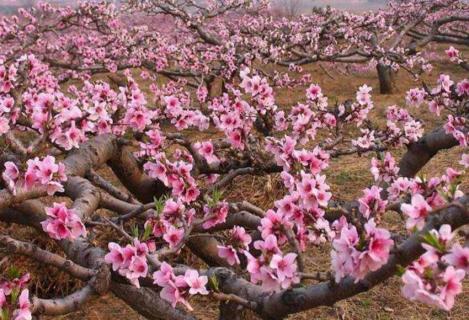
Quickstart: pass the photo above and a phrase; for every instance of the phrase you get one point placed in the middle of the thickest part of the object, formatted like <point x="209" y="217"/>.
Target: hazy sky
<point x="345" y="4"/>
<point x="305" y="4"/>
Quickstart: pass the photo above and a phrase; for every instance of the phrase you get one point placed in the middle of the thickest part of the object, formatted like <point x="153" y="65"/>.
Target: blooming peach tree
<point x="58" y="137"/>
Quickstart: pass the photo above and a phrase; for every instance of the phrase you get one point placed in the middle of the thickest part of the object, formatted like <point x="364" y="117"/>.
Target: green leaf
<point x="400" y="270"/>
<point x="213" y="281"/>
<point x="4" y="314"/>
<point x="159" y="204"/>
<point x="147" y="232"/>
<point x="453" y="188"/>
<point x="428" y="273"/>
<point x="135" y="231"/>
<point x="215" y="197"/>
<point x="445" y="195"/>
<point x="432" y="240"/>
<point x="380" y="156"/>
<point x="13" y="273"/>
<point x="14" y="295"/>
<point x="362" y="243"/>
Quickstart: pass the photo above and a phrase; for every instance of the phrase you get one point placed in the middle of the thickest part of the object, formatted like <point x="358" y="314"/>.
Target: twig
<point x="136" y="212"/>
<point x="99" y="181"/>
<point x="153" y="259"/>
<point x="223" y="182"/>
<point x="234" y="298"/>
<point x="30" y="250"/>
<point x="247" y="206"/>
<point x="119" y="229"/>
<point x="165" y="252"/>
<point x="294" y="243"/>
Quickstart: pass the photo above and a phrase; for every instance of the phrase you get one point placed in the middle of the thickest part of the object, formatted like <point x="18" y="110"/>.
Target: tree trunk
<point x="127" y="169"/>
<point x="386" y="81"/>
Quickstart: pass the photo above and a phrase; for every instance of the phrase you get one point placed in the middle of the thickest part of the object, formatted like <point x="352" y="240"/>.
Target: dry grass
<point x="347" y="177"/>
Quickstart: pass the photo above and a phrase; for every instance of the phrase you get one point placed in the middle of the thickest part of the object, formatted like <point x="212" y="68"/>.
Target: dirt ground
<point x="347" y="177"/>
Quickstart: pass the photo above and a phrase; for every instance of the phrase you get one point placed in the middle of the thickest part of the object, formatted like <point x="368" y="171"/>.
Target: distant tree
<point x="290" y="8"/>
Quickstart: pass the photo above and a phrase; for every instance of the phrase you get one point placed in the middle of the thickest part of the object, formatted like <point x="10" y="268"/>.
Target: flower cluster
<point x="239" y="241"/>
<point x="153" y="146"/>
<point x="137" y="116"/>
<point x="385" y="170"/>
<point x="426" y="195"/>
<point x="7" y="76"/>
<point x="417" y="211"/>
<point x="453" y="54"/>
<point x="260" y="90"/>
<point x="457" y="127"/>
<point x="401" y="127"/>
<point x="97" y="104"/>
<point x="176" y="288"/>
<point x="354" y="255"/>
<point x="130" y="261"/>
<point x="305" y="206"/>
<point x="272" y="269"/>
<point x="181" y="116"/>
<point x="306" y="119"/>
<point x="62" y="223"/>
<point x="206" y="150"/>
<point x="215" y="214"/>
<point x="436" y="277"/>
<point x="451" y="96"/>
<point x="14" y="299"/>
<point x="364" y="96"/>
<point x="39" y="173"/>
<point x="357" y="112"/>
<point x="9" y="113"/>
<point x="292" y="159"/>
<point x="170" y="221"/>
<point x="415" y="97"/>
<point x="371" y="202"/>
<point x="175" y="175"/>
<point x="235" y="118"/>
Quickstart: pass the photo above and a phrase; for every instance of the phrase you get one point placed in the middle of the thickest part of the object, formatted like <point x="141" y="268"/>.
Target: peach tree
<point x="59" y="135"/>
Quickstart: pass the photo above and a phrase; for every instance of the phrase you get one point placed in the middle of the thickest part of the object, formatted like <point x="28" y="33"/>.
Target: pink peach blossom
<point x="417" y="211"/>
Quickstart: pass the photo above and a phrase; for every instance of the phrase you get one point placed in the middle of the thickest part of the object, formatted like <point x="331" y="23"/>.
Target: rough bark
<point x="91" y="154"/>
<point x="386" y="79"/>
<point x="14" y="246"/>
<point x="128" y="171"/>
<point x="421" y="152"/>
<point x="87" y="197"/>
<point x="63" y="305"/>
<point x="148" y="303"/>
<point x="206" y="249"/>
<point x="29" y="213"/>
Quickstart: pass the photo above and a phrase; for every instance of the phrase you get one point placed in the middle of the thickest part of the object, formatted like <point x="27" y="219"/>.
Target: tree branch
<point x="280" y="304"/>
<point x="64" y="305"/>
<point x="13" y="246"/>
<point x="421" y="152"/>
